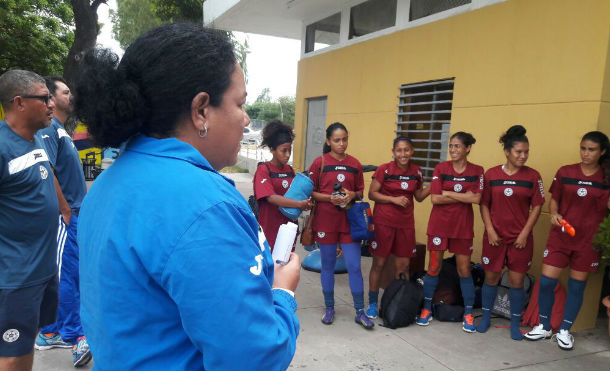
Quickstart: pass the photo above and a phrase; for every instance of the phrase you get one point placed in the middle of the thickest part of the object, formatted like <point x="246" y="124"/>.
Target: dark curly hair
<point x="514" y="134"/>
<point x="277" y="133"/>
<point x="329" y="132"/>
<point x="152" y="87"/>
<point x="466" y="138"/>
<point x="604" y="145"/>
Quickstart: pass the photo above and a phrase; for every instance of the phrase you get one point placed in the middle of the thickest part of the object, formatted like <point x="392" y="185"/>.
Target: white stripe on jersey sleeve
<point x="62" y="133"/>
<point x="25" y="161"/>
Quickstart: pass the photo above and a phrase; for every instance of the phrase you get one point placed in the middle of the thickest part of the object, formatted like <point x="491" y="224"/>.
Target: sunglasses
<point x="45" y="97"/>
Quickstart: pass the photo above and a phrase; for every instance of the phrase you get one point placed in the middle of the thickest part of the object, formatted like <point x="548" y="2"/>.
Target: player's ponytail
<point x="515" y="134"/>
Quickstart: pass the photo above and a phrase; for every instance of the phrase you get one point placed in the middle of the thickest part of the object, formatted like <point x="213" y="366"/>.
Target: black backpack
<point x="502" y="303"/>
<point x="400" y="303"/>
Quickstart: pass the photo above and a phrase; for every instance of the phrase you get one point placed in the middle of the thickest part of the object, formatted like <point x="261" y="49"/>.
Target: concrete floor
<point x="440" y="346"/>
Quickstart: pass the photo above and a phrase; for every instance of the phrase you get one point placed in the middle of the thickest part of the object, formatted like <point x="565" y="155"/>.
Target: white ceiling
<point x="283" y="18"/>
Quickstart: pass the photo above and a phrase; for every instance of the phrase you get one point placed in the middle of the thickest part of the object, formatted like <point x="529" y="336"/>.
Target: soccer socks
<point x="488" y="294"/>
<point x="467" y="286"/>
<point x="351" y="253"/>
<point x="373" y="297"/>
<point x="516" y="307"/>
<point x="430" y="283"/>
<point x="328" y="254"/>
<point x="576" y="290"/>
<point x="546" y="298"/>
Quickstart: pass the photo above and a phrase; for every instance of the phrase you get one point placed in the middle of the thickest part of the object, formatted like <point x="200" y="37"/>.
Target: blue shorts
<point x="22" y="312"/>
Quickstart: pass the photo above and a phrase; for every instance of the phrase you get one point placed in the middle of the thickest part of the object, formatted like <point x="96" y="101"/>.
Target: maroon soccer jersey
<point x="348" y="172"/>
<point x="454" y="220"/>
<point x="509" y="198"/>
<point x="582" y="202"/>
<point x="396" y="182"/>
<point x="270" y="180"/>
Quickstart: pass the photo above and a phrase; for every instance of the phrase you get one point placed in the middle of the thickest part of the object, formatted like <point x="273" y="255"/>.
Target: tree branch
<point x="96" y="3"/>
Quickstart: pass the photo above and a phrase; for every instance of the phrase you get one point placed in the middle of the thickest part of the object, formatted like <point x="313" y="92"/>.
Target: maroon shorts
<point x="332" y="238"/>
<point x="583" y="260"/>
<point x="462" y="246"/>
<point x="390" y="240"/>
<point x="493" y="258"/>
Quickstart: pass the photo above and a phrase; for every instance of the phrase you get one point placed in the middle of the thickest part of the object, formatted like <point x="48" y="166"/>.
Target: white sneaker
<point x="537" y="333"/>
<point x="564" y="339"/>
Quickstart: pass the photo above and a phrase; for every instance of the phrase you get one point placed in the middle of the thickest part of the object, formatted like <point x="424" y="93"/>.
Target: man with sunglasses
<point x="67" y="331"/>
<point x="28" y="219"/>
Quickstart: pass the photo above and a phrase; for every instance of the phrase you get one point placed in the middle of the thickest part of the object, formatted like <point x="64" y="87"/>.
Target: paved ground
<point x="440" y="346"/>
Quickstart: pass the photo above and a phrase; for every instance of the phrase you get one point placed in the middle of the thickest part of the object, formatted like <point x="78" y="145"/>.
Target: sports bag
<point x="307" y="232"/>
<point x="502" y="303"/>
<point x="530" y="316"/>
<point x="360" y="221"/>
<point x="400" y="303"/>
<point x="447" y="312"/>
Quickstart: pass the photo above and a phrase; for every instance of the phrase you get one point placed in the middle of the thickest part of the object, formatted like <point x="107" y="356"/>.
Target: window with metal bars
<point x="424" y="115"/>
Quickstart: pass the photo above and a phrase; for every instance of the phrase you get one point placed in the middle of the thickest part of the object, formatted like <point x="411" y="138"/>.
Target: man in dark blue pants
<point x="71" y="188"/>
<point x="28" y="219"/>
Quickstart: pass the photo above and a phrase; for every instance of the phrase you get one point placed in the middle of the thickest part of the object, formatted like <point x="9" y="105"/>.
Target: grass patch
<point x="233" y="169"/>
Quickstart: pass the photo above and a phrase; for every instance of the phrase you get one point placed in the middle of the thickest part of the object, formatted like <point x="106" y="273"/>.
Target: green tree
<point x="134" y="17"/>
<point x="35" y="35"/>
<point x="131" y="19"/>
<point x="264" y="109"/>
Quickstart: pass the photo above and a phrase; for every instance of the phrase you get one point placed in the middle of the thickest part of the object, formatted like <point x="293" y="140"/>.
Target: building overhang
<point x="281" y="18"/>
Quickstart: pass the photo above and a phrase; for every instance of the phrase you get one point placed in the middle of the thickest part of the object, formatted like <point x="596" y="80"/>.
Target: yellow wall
<point x="543" y="64"/>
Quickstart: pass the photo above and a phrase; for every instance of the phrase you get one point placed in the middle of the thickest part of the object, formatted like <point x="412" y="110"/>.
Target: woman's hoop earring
<point x="203" y="133"/>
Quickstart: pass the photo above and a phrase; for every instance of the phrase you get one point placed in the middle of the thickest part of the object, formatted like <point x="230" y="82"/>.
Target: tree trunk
<point x="85" y="35"/>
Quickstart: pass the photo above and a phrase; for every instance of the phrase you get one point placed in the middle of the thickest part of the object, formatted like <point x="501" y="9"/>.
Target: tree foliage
<point x="134" y="17"/>
<point x="266" y="110"/>
<point x="131" y="19"/>
<point x="35" y="35"/>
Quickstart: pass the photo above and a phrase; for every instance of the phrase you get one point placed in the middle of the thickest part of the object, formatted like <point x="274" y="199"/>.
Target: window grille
<point x="424" y="115"/>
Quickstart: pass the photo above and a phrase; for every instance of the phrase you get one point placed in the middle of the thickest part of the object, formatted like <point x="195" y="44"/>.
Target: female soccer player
<point x="273" y="178"/>
<point x="330" y="221"/>
<point x="455" y="186"/>
<point x="393" y="188"/>
<point x="580" y="197"/>
<point x="510" y="191"/>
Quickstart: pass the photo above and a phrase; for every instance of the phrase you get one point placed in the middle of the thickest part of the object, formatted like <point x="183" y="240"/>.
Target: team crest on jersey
<point x="43" y="172"/>
<point x="546" y="253"/>
<point x="485" y="260"/>
<point x="10" y="335"/>
<point x="340" y="177"/>
<point x="457" y="187"/>
<point x="321" y="234"/>
<point x="436" y="241"/>
<point x="508" y="192"/>
<point x="404" y="185"/>
<point x="374" y="245"/>
<point x="285" y="183"/>
<point x="582" y="192"/>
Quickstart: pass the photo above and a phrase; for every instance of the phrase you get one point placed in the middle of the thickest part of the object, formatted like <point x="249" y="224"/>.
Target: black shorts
<point x="22" y="312"/>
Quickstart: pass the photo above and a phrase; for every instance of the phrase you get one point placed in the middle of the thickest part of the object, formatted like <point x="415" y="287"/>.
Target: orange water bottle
<point x="567" y="228"/>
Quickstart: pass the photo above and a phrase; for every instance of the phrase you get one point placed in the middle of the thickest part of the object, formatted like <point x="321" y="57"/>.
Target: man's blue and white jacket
<point x="173" y="272"/>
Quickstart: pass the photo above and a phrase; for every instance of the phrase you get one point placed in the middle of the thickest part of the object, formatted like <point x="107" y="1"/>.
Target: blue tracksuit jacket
<point x="174" y="275"/>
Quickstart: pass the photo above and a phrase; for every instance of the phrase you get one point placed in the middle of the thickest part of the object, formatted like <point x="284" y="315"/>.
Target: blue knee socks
<point x="488" y="294"/>
<point x="467" y="286"/>
<point x="516" y="307"/>
<point x="546" y="298"/>
<point x="351" y="253"/>
<point x="373" y="297"/>
<point x="576" y="291"/>
<point x="328" y="255"/>
<point x="430" y="283"/>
